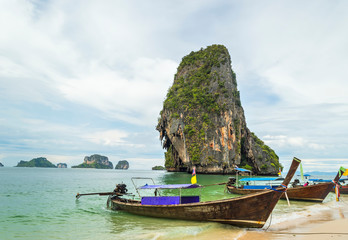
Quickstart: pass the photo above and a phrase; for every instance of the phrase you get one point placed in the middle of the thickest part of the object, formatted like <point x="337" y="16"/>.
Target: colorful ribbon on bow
<point x="337" y="190"/>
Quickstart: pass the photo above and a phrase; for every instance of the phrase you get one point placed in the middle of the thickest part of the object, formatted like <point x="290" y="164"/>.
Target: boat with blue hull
<point x="316" y="192"/>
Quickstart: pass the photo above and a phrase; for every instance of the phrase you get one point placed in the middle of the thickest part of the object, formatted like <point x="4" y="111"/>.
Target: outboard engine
<point x="231" y="181"/>
<point x="121" y="188"/>
<point x="295" y="183"/>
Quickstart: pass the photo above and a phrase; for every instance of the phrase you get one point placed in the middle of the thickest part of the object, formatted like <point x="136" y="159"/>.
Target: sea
<point x="40" y="203"/>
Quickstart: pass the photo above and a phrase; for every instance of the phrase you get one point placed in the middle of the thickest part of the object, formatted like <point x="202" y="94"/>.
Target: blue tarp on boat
<point x="241" y="169"/>
<point x="169" y="186"/>
<point x="319" y="180"/>
<point x="262" y="179"/>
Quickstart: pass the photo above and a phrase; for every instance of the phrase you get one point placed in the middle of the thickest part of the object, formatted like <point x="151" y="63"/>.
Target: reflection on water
<point x="140" y="227"/>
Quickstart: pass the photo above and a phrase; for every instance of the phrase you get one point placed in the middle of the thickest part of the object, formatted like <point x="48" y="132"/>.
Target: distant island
<point x="123" y="164"/>
<point x="1" y="164"/>
<point x="36" y="162"/>
<point x="62" y="165"/>
<point x="158" y="168"/>
<point x="95" y="161"/>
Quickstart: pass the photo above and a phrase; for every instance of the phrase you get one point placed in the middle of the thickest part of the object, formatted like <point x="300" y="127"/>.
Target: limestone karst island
<point x="95" y="161"/>
<point x="202" y="122"/>
<point x="123" y="165"/>
<point x="36" y="162"/>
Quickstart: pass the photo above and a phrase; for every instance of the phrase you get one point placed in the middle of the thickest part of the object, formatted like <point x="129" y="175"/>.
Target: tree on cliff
<point x="202" y="122"/>
<point x="36" y="162"/>
<point x="95" y="161"/>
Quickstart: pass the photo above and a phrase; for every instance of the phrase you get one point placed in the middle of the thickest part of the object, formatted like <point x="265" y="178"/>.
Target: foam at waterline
<point x="301" y="215"/>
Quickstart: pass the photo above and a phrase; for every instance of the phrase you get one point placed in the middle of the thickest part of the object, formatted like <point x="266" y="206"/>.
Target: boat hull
<point x="343" y="190"/>
<point x="312" y="193"/>
<point x="246" y="211"/>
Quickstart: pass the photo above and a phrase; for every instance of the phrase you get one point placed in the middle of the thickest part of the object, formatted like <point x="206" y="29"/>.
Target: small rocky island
<point x="62" y="165"/>
<point x="1" y="165"/>
<point x="95" y="161"/>
<point x="123" y="164"/>
<point x="158" y="168"/>
<point x="202" y="123"/>
<point x="36" y="162"/>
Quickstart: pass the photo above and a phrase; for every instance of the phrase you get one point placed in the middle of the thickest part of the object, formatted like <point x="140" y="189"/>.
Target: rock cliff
<point x="62" y="165"/>
<point x="123" y="164"/>
<point x="202" y="122"/>
<point x="95" y="161"/>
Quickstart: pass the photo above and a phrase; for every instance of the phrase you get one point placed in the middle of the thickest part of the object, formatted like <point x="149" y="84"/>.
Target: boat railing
<point x="158" y="198"/>
<point x="143" y="178"/>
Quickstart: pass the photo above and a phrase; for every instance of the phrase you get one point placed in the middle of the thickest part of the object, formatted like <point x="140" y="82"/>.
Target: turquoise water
<point x="39" y="203"/>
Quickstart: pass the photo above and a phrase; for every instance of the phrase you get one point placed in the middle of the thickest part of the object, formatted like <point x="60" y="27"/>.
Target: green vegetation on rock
<point x="193" y="92"/>
<point x="95" y="161"/>
<point x="36" y="162"/>
<point x="123" y="164"/>
<point x="193" y="96"/>
<point x="158" y="168"/>
<point x="202" y="122"/>
<point x="92" y="165"/>
<point x="269" y="156"/>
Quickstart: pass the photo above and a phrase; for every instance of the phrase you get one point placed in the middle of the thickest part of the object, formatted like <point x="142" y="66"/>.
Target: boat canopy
<point x="241" y="169"/>
<point x="169" y="186"/>
<point x="319" y="180"/>
<point x="262" y="179"/>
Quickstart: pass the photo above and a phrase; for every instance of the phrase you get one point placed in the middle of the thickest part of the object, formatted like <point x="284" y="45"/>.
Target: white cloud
<point x="282" y="141"/>
<point x="108" y="138"/>
<point x="115" y="60"/>
<point x="136" y="98"/>
<point x="318" y="164"/>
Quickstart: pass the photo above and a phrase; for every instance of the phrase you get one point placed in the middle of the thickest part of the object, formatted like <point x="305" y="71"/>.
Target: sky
<point x="91" y="77"/>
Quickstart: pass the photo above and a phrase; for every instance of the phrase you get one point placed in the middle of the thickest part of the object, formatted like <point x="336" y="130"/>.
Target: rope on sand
<point x="308" y="233"/>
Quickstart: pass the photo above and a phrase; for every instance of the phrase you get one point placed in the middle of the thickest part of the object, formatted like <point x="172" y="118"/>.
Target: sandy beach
<point x="330" y="222"/>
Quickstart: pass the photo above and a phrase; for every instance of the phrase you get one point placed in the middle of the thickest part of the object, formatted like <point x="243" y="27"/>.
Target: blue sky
<point x="90" y="77"/>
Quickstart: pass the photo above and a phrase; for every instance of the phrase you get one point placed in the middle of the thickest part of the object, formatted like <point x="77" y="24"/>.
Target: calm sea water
<point x="39" y="203"/>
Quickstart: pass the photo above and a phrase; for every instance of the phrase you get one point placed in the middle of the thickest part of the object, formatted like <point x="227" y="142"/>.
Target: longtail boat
<point x="343" y="189"/>
<point x="246" y="211"/>
<point x="314" y="193"/>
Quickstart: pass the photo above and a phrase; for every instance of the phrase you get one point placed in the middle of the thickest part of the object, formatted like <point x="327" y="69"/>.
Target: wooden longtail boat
<point x="343" y="189"/>
<point x="246" y="211"/>
<point x="313" y="193"/>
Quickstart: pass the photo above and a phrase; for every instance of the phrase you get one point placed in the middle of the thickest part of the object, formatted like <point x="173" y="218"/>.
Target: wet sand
<point x="331" y="223"/>
<point x="328" y="220"/>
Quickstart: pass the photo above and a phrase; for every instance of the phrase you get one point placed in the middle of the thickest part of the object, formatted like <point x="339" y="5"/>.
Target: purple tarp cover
<point x="169" y="186"/>
<point x="169" y="200"/>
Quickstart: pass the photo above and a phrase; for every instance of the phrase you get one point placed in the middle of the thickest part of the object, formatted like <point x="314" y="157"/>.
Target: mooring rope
<point x="308" y="233"/>
<point x="270" y="222"/>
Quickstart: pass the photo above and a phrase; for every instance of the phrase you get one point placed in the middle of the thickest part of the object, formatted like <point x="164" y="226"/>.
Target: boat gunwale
<point x="198" y="203"/>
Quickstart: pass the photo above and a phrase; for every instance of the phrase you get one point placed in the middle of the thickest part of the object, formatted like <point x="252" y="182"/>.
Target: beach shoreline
<point x="328" y="220"/>
<point x="328" y="223"/>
